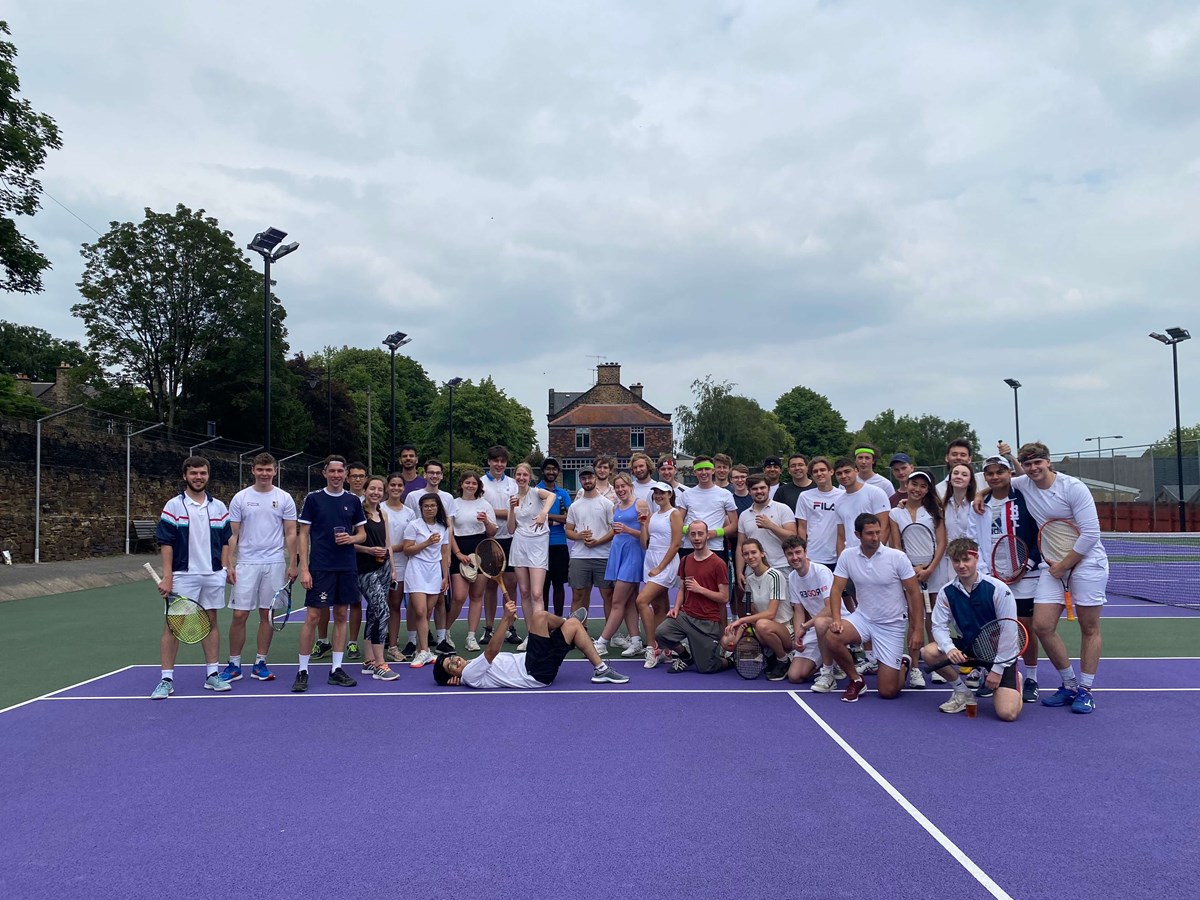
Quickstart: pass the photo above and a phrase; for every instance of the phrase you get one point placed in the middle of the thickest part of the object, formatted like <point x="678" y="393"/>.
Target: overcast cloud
<point x="897" y="207"/>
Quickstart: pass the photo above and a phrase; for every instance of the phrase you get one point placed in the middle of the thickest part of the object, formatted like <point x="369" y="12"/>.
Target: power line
<point x="70" y="211"/>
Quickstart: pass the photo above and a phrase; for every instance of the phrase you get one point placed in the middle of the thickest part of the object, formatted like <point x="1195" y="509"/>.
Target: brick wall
<point x="609" y="441"/>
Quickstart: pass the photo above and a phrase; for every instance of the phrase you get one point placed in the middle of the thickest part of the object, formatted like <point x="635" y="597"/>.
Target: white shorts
<point x="808" y="648"/>
<point x="207" y="590"/>
<point x="1088" y="583"/>
<point x="668" y="577"/>
<point x="401" y="560"/>
<point x="256" y="584"/>
<point x="888" y="639"/>
<point x="530" y="552"/>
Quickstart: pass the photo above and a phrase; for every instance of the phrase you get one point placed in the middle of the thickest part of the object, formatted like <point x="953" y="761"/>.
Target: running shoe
<point x="368" y="668"/>
<point x="959" y="700"/>
<point x="824" y="684"/>
<point x="444" y="647"/>
<point x="512" y="637"/>
<point x="353" y="653"/>
<point x="679" y="664"/>
<point x="423" y="658"/>
<point x="472" y="643"/>
<point x="653" y="656"/>
<point x="1029" y="691"/>
<point x="838" y="674"/>
<point x="853" y="689"/>
<point x="974" y="678"/>
<point x="339" y="678"/>
<point x="393" y="654"/>
<point x="636" y="648"/>
<point x="619" y="640"/>
<point x="580" y="614"/>
<point x="1064" y="696"/>
<point x="260" y="672"/>
<point x="410" y="650"/>
<point x="300" y="685"/>
<point x="1083" y="704"/>
<point x="449" y="642"/>
<point x="385" y="673"/>
<point x="601" y="645"/>
<point x="778" y="670"/>
<point x="214" y="683"/>
<point x="866" y="666"/>
<point x="163" y="690"/>
<point x="916" y="678"/>
<point x="523" y="646"/>
<point x="321" y="649"/>
<point x="608" y="674"/>
<point x="487" y="636"/>
<point x="231" y="673"/>
<point x="983" y="691"/>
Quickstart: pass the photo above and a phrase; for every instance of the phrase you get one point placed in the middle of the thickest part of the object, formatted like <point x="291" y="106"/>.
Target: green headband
<point x="702" y="465"/>
<point x="866" y="450"/>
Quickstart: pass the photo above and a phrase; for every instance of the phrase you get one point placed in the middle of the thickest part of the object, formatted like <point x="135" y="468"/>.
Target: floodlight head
<point x="1161" y="338"/>
<point x="313" y="379"/>
<point x="396" y="340"/>
<point x="1179" y="334"/>
<point x="1012" y="383"/>
<point x="283" y="251"/>
<point x="454" y="382"/>
<point x="266" y="241"/>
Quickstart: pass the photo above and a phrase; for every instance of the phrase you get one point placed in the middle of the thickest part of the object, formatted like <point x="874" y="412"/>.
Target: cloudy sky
<point x="896" y="208"/>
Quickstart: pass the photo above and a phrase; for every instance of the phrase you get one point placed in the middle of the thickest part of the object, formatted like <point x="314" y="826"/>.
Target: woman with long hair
<point x="922" y="507"/>
<point x="398" y="516"/>
<point x="529" y="511"/>
<point x="626" y="566"/>
<point x="427" y="546"/>
<point x="960" y="494"/>
<point x="474" y="520"/>
<point x="376" y="573"/>
<point x="662" y="533"/>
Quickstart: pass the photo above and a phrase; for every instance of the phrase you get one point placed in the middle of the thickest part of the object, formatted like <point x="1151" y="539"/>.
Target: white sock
<point x="235" y="661"/>
<point x="213" y="667"/>
<point x="1068" y="677"/>
<point x="304" y="664"/>
<point x="412" y="637"/>
<point x="259" y="658"/>
<point x="1085" y="680"/>
<point x="168" y="674"/>
<point x="441" y="634"/>
<point x="1031" y="671"/>
<point x="337" y="659"/>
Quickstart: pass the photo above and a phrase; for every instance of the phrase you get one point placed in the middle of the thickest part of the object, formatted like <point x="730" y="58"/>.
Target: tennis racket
<point x="491" y="562"/>
<point x="748" y="655"/>
<point x="999" y="642"/>
<point x="1010" y="559"/>
<point x="919" y="545"/>
<point x="1056" y="539"/>
<point x="281" y="606"/>
<point x="186" y="619"/>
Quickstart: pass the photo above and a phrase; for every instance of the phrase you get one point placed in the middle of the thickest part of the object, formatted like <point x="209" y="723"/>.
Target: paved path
<point x="21" y="581"/>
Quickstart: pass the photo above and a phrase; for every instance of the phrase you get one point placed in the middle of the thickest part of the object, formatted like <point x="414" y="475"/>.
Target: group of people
<point x="813" y="563"/>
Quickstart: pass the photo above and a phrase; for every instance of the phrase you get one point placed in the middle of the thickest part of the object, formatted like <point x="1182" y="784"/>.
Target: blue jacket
<point x="173" y="528"/>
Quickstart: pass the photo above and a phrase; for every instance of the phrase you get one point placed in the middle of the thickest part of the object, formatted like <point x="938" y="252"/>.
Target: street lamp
<point x="452" y="384"/>
<point x="1100" y="456"/>
<point x="1172" y="339"/>
<point x="394" y="342"/>
<point x="266" y="245"/>
<point x="1015" y="385"/>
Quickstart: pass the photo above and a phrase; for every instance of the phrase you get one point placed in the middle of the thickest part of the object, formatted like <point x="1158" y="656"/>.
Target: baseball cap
<point x="587" y="470"/>
<point x="772" y="461"/>
<point x="661" y="486"/>
<point x="551" y="461"/>
<point x="924" y="475"/>
<point x="900" y="458"/>
<point x="997" y="461"/>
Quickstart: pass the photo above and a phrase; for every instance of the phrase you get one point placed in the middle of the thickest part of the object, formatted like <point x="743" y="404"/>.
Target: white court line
<point x="51" y="695"/>
<point x="936" y="833"/>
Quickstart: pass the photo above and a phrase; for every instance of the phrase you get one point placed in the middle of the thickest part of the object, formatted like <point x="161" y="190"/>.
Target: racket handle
<point x="150" y="569"/>
<point x="1070" y="606"/>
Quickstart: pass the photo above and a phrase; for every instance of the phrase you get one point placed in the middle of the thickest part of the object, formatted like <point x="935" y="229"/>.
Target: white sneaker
<point x="916" y="678"/>
<point x="635" y="648"/>
<point x="601" y="645"/>
<point x="214" y="683"/>
<point x="824" y="683"/>
<point x="838" y="674"/>
<point x="619" y="640"/>
<point x="472" y="643"/>
<point x="423" y="658"/>
<point x="957" y="703"/>
<point x="653" y="656"/>
<point x="523" y="646"/>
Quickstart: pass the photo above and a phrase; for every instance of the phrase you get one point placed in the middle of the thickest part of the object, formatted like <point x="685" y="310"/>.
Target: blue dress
<point x="626" y="558"/>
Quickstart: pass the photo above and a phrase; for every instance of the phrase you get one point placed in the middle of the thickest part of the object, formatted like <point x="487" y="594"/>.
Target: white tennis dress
<point x="660" y="542"/>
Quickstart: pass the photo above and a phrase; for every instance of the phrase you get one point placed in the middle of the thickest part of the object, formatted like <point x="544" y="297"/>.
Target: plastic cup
<point x="972" y="708"/>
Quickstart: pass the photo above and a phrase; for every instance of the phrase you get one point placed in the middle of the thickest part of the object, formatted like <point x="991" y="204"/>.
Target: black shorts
<point x="506" y="546"/>
<point x="466" y="546"/>
<point x="1025" y="608"/>
<point x="544" y="655"/>
<point x="560" y="564"/>
<point x="333" y="589"/>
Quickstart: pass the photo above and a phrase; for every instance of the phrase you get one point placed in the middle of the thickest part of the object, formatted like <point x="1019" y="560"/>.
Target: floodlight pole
<point x="266" y="245"/>
<point x="394" y="342"/>
<point x="1173" y="338"/>
<point x="129" y="475"/>
<point x="452" y="383"/>
<point x="37" y="487"/>
<point x="1016" y="386"/>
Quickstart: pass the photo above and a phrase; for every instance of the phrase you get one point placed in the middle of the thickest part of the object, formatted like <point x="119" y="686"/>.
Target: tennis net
<point x="1161" y="568"/>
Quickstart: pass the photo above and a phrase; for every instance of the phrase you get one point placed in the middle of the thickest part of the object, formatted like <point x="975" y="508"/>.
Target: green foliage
<point x="924" y="438"/>
<point x="166" y="300"/>
<point x="815" y="427"/>
<point x="1190" y="439"/>
<point x="31" y="351"/>
<point x="483" y="415"/>
<point x="25" y="138"/>
<point x="15" y="402"/>
<point x="724" y="422"/>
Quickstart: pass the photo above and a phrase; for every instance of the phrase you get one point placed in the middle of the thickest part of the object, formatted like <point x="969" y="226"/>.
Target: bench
<point x="143" y="533"/>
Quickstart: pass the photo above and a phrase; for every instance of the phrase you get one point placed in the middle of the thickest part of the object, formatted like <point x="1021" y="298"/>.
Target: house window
<point x="583" y="439"/>
<point x="637" y="438"/>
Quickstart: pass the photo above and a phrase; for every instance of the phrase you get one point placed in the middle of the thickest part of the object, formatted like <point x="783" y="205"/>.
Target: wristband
<point x="720" y="531"/>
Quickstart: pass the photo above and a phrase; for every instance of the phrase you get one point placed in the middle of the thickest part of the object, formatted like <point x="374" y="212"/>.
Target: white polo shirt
<point x="877" y="582"/>
<point x="260" y="516"/>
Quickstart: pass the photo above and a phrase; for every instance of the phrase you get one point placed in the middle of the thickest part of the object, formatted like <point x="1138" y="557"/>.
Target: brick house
<point x="608" y="420"/>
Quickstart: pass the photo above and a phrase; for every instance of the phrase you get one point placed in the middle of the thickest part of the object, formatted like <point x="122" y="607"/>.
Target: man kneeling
<point x="551" y="638"/>
<point x="698" y="615"/>
<point x="970" y="602"/>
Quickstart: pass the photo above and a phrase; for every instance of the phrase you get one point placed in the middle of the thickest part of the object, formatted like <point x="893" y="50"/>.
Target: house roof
<point x="614" y="414"/>
<point x="612" y="396"/>
<point x="560" y="400"/>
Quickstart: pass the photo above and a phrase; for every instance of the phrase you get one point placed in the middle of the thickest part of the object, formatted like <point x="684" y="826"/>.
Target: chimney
<point x="551" y="407"/>
<point x="636" y="390"/>
<point x="608" y="373"/>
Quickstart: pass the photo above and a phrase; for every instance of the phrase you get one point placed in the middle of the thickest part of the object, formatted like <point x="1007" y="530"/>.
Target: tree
<point x="25" y="138"/>
<point x="483" y="415"/>
<point x="924" y="438"/>
<point x="724" y="422"/>
<point x="16" y="402"/>
<point x="815" y="427"/>
<point x="31" y="351"/>
<point x="166" y="295"/>
<point x="1190" y="439"/>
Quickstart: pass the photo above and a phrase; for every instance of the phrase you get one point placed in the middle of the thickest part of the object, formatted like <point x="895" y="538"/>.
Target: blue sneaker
<point x="261" y="672"/>
<point x="1084" y="703"/>
<point x="165" y="689"/>
<point x="231" y="673"/>
<point x="1064" y="696"/>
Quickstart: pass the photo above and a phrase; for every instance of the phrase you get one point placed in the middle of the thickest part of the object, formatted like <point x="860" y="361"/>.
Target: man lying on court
<point x="551" y="638"/>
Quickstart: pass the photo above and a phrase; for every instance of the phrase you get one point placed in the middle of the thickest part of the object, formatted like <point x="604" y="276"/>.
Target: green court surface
<point x="51" y="642"/>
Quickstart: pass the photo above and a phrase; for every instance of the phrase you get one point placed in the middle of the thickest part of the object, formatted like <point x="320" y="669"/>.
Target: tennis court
<point x="671" y="785"/>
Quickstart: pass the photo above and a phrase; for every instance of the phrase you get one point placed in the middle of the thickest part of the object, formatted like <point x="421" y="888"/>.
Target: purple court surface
<point x="674" y="785"/>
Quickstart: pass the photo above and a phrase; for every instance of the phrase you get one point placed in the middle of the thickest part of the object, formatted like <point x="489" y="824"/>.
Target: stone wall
<point x="83" y="485"/>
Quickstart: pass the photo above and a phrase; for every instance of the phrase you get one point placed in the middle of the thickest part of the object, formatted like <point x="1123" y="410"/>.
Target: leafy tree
<point x="924" y="438"/>
<point x="167" y="295"/>
<point x="483" y="415"/>
<point x="31" y="351"/>
<point x="724" y="422"/>
<point x="1190" y="439"/>
<point x="815" y="427"/>
<point x="15" y="402"/>
<point x="25" y="138"/>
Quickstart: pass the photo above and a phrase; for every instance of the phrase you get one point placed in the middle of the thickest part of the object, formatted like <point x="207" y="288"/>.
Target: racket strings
<point x="188" y="621"/>
<point x="918" y="543"/>
<point x="1010" y="558"/>
<point x="1001" y="640"/>
<point x="491" y="558"/>
<point x="1057" y="539"/>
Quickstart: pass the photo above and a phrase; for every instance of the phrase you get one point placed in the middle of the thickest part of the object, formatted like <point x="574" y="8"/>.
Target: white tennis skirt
<point x="531" y="552"/>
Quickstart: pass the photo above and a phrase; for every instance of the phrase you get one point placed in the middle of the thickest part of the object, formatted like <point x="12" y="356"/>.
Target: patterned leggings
<point x="374" y="587"/>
